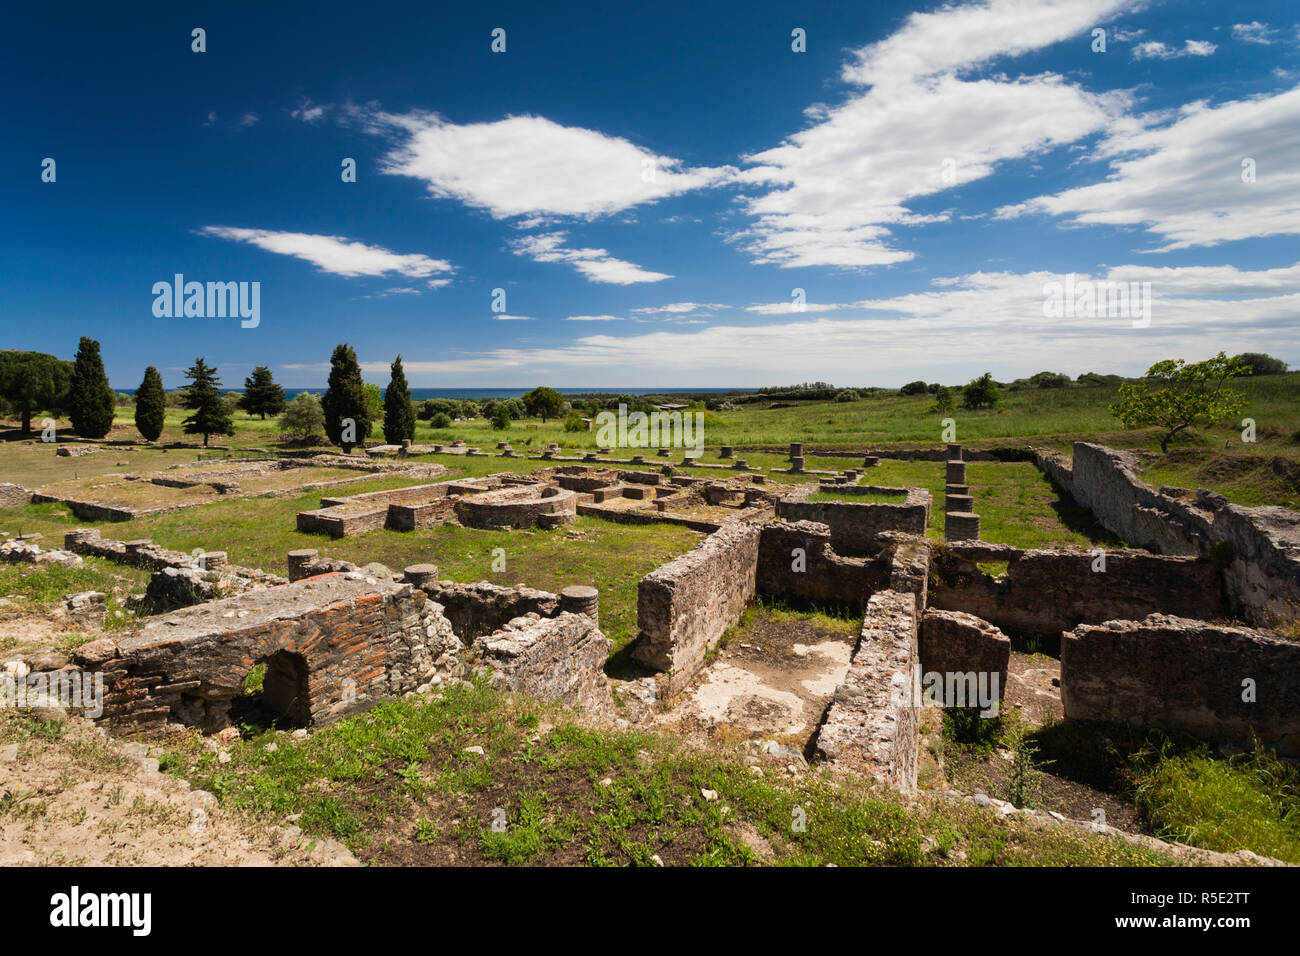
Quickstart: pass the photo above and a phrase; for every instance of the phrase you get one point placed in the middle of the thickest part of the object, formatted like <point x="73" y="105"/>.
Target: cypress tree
<point x="91" y="401"/>
<point x="150" y="405"/>
<point x="346" y="399"/>
<point x="203" y="397"/>
<point x="399" y="413"/>
<point x="262" y="396"/>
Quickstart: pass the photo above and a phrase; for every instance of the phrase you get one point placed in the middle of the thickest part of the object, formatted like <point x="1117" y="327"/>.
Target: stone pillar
<point x="665" y="452"/>
<point x="954" y="453"/>
<point x="638" y="459"/>
<point x="796" y="450"/>
<point x="406" y="446"/>
<point x="964" y="504"/>
<point x="726" y="452"/>
<point x="796" y="464"/>
<point x="961" y="526"/>
<point x="956" y="472"/>
<point x="212" y="560"/>
<point x="423" y="576"/>
<point x="740" y="463"/>
<point x="870" y="461"/>
<point x="951" y="489"/>
<point x="298" y="562"/>
<point x="581" y="599"/>
<point x="80" y="536"/>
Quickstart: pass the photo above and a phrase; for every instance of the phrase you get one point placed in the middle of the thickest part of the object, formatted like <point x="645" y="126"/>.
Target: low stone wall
<point x="1044" y="593"/>
<point x="551" y="658"/>
<point x="333" y="645"/>
<point x="684" y="606"/>
<point x="857" y="527"/>
<point x="872" y="726"/>
<point x="817" y="575"/>
<point x="1224" y="684"/>
<point x="1259" y="548"/>
<point x="515" y="507"/>
<point x="953" y="642"/>
<point x="481" y="608"/>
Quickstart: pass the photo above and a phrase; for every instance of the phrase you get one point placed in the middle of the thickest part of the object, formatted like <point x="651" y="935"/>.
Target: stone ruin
<point x="1165" y="635"/>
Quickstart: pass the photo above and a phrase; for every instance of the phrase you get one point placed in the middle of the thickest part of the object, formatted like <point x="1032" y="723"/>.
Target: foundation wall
<point x="857" y="527"/>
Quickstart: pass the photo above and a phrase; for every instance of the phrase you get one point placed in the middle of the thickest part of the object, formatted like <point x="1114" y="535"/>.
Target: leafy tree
<point x="848" y="395"/>
<point x="1261" y="364"/>
<point x="1176" y="395"/>
<point x="500" y="417"/>
<point x="399" y="414"/>
<point x="32" y="381"/>
<point x="345" y="399"/>
<point x="150" y="405"/>
<point x="212" y="412"/>
<point x="1049" y="380"/>
<point x="574" y="423"/>
<point x="544" y="402"/>
<point x="262" y="396"/>
<point x="302" y="417"/>
<point x="943" y="400"/>
<point x="913" y="388"/>
<point x="90" y="398"/>
<point x="440" y="420"/>
<point x="981" y="392"/>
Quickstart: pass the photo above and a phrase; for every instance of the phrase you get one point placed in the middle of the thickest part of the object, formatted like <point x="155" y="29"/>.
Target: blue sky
<point x="649" y="185"/>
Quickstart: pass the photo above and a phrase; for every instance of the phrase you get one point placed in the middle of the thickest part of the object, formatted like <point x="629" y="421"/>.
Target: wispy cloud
<point x="596" y="264"/>
<point x="1156" y="50"/>
<point x="334" y="254"/>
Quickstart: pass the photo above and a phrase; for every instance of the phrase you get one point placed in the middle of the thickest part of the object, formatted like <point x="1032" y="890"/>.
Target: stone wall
<point x="480" y="608"/>
<point x="872" y="725"/>
<point x="1043" y="593"/>
<point x="684" y="606"/>
<point x="333" y="644"/>
<point x="551" y="658"/>
<point x="826" y="579"/>
<point x="953" y="642"/>
<point x="1259" y="548"/>
<point x="515" y="507"/>
<point x="857" y="527"/>
<point x="1182" y="675"/>
<point x="12" y="495"/>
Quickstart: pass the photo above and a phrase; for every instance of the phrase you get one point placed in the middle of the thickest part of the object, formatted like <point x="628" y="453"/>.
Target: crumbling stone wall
<point x="818" y="576"/>
<point x="11" y="495"/>
<point x="339" y="643"/>
<point x="953" y="642"/>
<point x="1043" y="593"/>
<point x="551" y="658"/>
<point x="872" y="725"/>
<point x="857" y="527"/>
<point x="520" y="507"/>
<point x="1217" y="682"/>
<point x="481" y="608"/>
<point x="684" y="606"/>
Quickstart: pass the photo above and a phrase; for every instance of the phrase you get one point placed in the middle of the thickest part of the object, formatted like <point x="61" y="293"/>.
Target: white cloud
<point x="531" y="166"/>
<point x="308" y="111"/>
<point x="835" y="192"/>
<point x="1182" y="179"/>
<point x="513" y="318"/>
<point x="679" y="308"/>
<point x="1155" y="50"/>
<point x="593" y="318"/>
<point x="334" y="254"/>
<point x="249" y="119"/>
<point x="596" y="264"/>
<point x="1252" y="32"/>
<point x="438" y="283"/>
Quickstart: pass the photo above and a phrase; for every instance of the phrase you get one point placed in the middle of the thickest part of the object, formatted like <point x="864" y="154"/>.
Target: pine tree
<point x="150" y="405"/>
<point x="262" y="396"/>
<point x="203" y="397"/>
<point x="399" y="413"/>
<point x="346" y="400"/>
<point x="33" y="381"/>
<point x="91" y="401"/>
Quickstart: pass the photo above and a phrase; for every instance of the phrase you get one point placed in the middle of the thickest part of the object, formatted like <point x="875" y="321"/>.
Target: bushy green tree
<point x="262" y="396"/>
<point x="302" y="417"/>
<point x="981" y="392"/>
<point x="345" y="400"/>
<point x="91" y="400"/>
<point x="150" y="405"/>
<point x="543" y="402"/>
<point x="913" y="388"/>
<point x="1261" y="364"/>
<point x="500" y="416"/>
<point x="1176" y="395"/>
<point x="943" y="400"/>
<point x="212" y="412"/>
<point x="848" y="395"/>
<point x="399" y="414"/>
<point x="34" y="381"/>
<point x="440" y="420"/>
<point x="574" y="423"/>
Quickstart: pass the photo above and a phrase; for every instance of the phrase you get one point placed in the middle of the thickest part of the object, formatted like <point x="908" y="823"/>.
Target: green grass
<point x="40" y="587"/>
<point x="876" y="498"/>
<point x="397" y="786"/>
